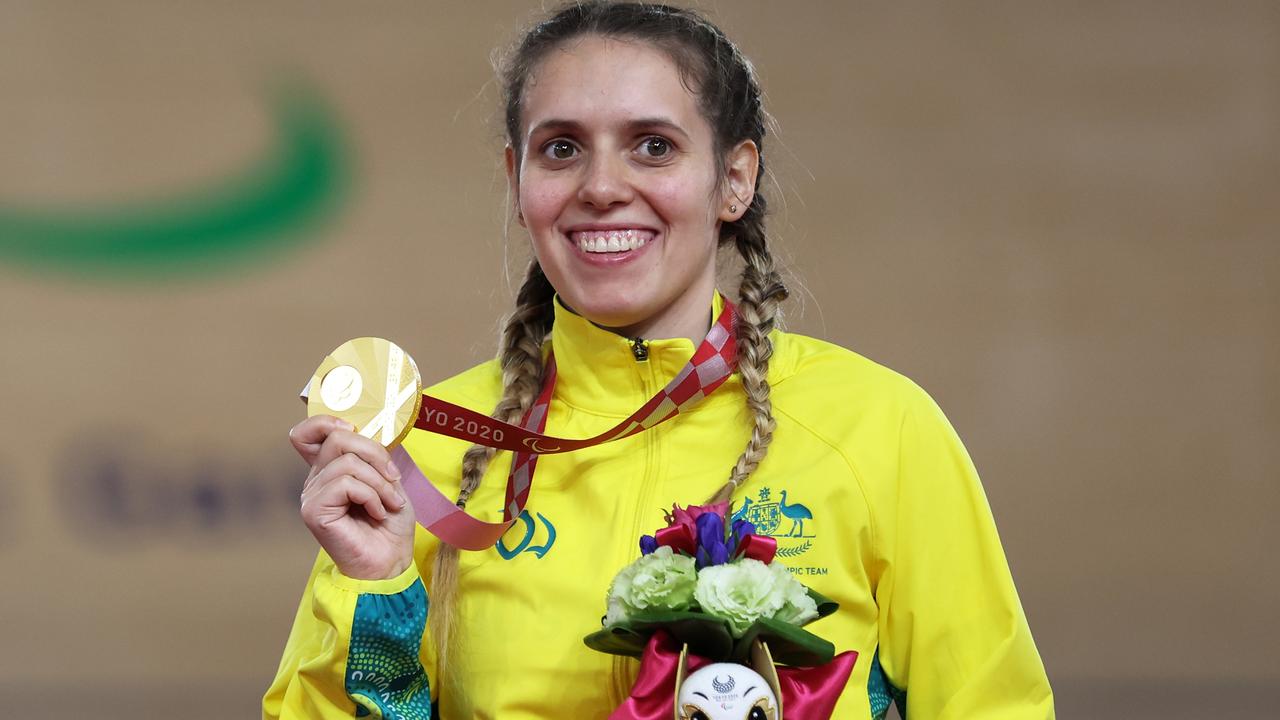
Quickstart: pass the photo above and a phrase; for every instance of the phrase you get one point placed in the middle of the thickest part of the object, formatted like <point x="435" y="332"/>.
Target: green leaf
<point x="706" y="635"/>
<point x="826" y="605"/>
<point x="617" y="640"/>
<point x="711" y="638"/>
<point x="788" y="644"/>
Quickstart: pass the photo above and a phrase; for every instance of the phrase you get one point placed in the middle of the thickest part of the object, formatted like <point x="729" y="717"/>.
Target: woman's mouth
<point x="611" y="241"/>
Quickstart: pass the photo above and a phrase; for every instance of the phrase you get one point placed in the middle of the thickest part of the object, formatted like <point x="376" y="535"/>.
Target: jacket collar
<point x="597" y="370"/>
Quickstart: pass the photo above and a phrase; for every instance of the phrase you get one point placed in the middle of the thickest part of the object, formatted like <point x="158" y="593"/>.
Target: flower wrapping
<point x="716" y="589"/>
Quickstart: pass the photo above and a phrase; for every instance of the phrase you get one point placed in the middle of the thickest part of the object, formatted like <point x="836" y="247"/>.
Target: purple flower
<point x="648" y="544"/>
<point x="741" y="529"/>
<point x="710" y="530"/>
<point x="719" y="554"/>
<point x="712" y="549"/>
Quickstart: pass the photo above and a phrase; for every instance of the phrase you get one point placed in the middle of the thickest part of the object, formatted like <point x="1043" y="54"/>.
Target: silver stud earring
<point x="733" y="208"/>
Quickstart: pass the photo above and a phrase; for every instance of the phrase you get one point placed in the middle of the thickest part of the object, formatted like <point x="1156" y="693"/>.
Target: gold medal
<point x="372" y="384"/>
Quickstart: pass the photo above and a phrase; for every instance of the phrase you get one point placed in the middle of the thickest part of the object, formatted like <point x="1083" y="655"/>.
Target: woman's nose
<point x="606" y="182"/>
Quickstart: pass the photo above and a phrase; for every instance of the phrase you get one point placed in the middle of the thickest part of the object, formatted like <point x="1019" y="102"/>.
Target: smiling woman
<point x="615" y="176"/>
<point x="635" y="149"/>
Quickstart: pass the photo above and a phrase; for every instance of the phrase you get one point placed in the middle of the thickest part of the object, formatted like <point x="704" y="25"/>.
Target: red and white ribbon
<point x="712" y="363"/>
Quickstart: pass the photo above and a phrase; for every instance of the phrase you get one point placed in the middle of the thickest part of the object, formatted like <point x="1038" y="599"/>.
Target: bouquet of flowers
<point x="714" y="587"/>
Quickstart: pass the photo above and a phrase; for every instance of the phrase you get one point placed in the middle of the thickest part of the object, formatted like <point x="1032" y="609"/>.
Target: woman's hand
<point x="353" y="502"/>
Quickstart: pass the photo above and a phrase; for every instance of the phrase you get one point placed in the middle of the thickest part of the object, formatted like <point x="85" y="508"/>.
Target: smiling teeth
<point x="611" y="241"/>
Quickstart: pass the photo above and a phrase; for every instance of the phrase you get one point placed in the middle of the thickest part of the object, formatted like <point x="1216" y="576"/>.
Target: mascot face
<point x="725" y="691"/>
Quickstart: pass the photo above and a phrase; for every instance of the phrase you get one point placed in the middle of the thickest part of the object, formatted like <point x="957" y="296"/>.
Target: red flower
<point x="681" y="534"/>
<point x="689" y="516"/>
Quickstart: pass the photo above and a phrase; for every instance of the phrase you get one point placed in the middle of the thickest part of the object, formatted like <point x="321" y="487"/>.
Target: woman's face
<point x="616" y="182"/>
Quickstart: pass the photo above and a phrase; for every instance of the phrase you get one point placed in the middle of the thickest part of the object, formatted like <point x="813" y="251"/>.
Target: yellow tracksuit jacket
<point x="868" y="491"/>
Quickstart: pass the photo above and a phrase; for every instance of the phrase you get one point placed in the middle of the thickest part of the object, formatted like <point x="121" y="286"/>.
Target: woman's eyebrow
<point x="561" y="125"/>
<point x="656" y="122"/>
<point x="555" y="125"/>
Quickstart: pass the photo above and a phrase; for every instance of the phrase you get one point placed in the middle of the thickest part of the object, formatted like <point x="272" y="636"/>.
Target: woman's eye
<point x="655" y="147"/>
<point x="559" y="150"/>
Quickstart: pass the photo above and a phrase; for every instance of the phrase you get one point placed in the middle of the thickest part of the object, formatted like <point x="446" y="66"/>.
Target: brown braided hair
<point x="713" y="68"/>
<point x="521" y="362"/>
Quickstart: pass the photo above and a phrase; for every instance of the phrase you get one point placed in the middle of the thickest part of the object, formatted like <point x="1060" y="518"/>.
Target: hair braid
<point x="759" y="294"/>
<point x="521" y="360"/>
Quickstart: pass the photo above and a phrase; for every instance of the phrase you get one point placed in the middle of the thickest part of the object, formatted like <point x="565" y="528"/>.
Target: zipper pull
<point x="640" y="349"/>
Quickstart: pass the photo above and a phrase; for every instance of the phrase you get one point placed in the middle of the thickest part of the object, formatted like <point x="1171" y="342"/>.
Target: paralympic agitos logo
<point x="272" y="203"/>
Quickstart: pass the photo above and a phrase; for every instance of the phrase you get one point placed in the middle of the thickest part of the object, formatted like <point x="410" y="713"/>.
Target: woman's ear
<point x="513" y="182"/>
<point x="741" y="168"/>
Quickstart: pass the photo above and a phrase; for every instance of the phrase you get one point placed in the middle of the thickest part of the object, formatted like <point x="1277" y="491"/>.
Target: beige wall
<point x="1061" y="221"/>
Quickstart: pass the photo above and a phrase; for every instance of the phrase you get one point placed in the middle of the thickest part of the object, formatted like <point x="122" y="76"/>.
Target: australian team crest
<point x="790" y="523"/>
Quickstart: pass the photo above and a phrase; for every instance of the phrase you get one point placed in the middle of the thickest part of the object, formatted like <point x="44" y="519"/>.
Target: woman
<point x="635" y="137"/>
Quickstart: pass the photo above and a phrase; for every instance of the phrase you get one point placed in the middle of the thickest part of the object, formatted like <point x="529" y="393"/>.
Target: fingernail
<point x="401" y="496"/>
<point x="393" y="472"/>
<point x="346" y="425"/>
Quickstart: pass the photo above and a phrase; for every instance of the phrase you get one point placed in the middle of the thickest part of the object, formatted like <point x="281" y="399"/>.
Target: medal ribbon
<point x="712" y="363"/>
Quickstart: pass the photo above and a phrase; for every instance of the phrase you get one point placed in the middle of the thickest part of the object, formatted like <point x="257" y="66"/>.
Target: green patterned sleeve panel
<point x="882" y="693"/>
<point x="384" y="675"/>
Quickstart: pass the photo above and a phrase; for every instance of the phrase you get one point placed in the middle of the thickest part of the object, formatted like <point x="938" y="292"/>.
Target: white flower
<point x="797" y="607"/>
<point x="744" y="591"/>
<point x="661" y="580"/>
<point x="615" y="613"/>
<point x="740" y="592"/>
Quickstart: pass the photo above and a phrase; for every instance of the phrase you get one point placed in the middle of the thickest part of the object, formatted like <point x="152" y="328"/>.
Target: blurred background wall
<point x="1061" y="219"/>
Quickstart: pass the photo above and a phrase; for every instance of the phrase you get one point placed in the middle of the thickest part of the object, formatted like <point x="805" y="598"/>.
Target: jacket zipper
<point x="640" y="349"/>
<point x="624" y="672"/>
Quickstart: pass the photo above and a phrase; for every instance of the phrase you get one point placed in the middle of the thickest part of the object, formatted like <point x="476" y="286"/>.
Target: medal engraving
<point x="341" y="388"/>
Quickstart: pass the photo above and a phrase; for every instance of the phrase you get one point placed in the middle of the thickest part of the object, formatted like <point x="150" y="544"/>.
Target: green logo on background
<point x="276" y="202"/>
